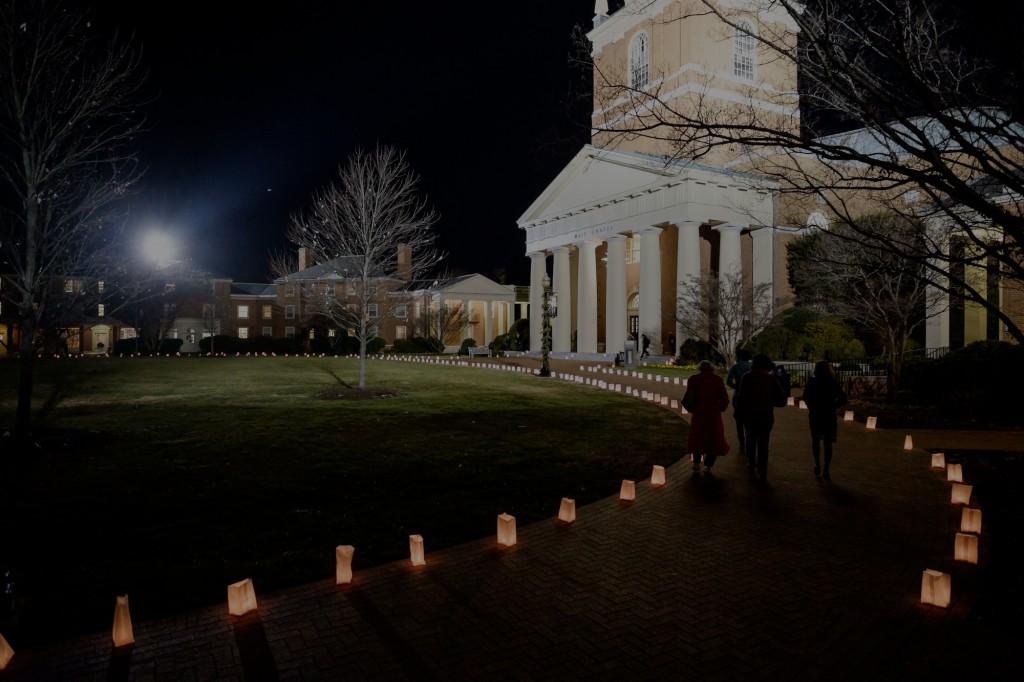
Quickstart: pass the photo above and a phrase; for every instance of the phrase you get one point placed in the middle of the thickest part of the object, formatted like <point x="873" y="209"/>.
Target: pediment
<point x="593" y="177"/>
<point x="476" y="286"/>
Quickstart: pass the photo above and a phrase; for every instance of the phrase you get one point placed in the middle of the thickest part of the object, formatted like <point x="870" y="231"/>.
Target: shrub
<point x="693" y="351"/>
<point x="220" y="343"/>
<point x="980" y="381"/>
<point x="466" y="345"/>
<point x="414" y="345"/>
<point x="170" y="346"/>
<point x="375" y="345"/>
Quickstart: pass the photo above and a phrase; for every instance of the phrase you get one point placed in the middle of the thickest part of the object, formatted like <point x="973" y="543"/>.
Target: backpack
<point x="782" y="375"/>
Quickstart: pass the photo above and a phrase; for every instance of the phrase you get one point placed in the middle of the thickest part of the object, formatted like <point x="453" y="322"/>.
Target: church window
<point x="639" y="61"/>
<point x="743" y="51"/>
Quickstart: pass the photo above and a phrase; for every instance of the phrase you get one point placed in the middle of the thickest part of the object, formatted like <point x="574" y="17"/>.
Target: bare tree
<point x="721" y="310"/>
<point x="67" y="120"/>
<point x="936" y="111"/>
<point x="437" y="323"/>
<point x="879" y="289"/>
<point x="371" y="231"/>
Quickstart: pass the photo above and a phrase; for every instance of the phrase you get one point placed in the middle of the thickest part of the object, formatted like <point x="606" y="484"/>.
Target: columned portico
<point x="561" y="332"/>
<point x="538" y="268"/>
<point x="615" y="296"/>
<point x="650" y="286"/>
<point x="586" y="312"/>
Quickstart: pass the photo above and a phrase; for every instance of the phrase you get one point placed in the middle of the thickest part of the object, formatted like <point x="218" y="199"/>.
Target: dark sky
<point x="254" y="109"/>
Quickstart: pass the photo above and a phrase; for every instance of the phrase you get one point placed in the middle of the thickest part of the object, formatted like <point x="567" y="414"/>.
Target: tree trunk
<point x="26" y="360"/>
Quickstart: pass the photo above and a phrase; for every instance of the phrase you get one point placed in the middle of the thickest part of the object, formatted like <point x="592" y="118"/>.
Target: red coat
<point x="706" y="398"/>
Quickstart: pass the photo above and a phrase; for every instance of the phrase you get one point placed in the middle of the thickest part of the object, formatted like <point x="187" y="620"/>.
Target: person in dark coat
<point x="706" y="399"/>
<point x="736" y="374"/>
<point x="645" y="344"/>
<point x="758" y="396"/>
<point x="823" y="396"/>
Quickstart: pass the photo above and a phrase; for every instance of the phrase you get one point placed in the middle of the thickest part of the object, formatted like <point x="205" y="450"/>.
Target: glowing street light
<point x="159" y="248"/>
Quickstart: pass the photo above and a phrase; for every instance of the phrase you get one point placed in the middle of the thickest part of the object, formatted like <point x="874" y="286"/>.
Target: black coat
<point x="823" y="398"/>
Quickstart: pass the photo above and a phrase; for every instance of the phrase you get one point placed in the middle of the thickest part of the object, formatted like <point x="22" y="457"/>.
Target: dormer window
<point x="639" y="61"/>
<point x="744" y="50"/>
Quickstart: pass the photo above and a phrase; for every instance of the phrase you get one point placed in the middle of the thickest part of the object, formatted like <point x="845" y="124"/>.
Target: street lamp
<point x="549" y="311"/>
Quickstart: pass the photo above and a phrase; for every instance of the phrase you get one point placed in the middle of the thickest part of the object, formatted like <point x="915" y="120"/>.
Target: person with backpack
<point x="759" y="394"/>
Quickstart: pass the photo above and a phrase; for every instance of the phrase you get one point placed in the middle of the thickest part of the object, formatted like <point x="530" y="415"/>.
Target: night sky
<point x="252" y="110"/>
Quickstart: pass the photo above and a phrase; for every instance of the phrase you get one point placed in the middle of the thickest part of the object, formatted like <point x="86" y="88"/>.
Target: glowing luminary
<point x="965" y="548"/>
<point x="683" y="410"/>
<point x="627" y="492"/>
<point x="955" y="473"/>
<point x="664" y="400"/>
<point x="506" y="530"/>
<point x="567" y="510"/>
<point x="908" y="443"/>
<point x="122" y="622"/>
<point x="848" y="416"/>
<point x="935" y="588"/>
<point x="970" y="520"/>
<point x="961" y="493"/>
<point x="241" y="597"/>
<point x="938" y="460"/>
<point x="803" y="404"/>
<point x="872" y="422"/>
<point x="6" y="653"/>
<point x="673" y="404"/>
<point x="416" y="550"/>
<point x="790" y="402"/>
<point x="343" y="564"/>
<point x="657" y="476"/>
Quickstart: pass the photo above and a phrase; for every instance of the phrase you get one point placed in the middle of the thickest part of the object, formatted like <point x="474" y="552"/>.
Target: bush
<point x="980" y="381"/>
<point x="221" y="343"/>
<point x="693" y="351"/>
<point x="170" y="346"/>
<point x="375" y="345"/>
<point x="414" y="345"/>
<point x="466" y="345"/>
<point x="127" y="346"/>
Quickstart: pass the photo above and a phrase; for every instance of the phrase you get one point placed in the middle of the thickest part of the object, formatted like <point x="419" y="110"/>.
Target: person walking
<point x="645" y="343"/>
<point x="758" y="396"/>
<point x="823" y="396"/>
<point x="706" y="399"/>
<point x="735" y="376"/>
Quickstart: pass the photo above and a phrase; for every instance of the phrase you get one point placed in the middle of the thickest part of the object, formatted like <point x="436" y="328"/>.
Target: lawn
<point x="168" y="478"/>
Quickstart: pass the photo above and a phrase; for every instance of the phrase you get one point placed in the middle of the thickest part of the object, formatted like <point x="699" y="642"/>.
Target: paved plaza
<point x="705" y="578"/>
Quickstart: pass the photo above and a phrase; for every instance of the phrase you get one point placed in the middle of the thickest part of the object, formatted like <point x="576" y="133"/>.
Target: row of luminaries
<point x="936" y="586"/>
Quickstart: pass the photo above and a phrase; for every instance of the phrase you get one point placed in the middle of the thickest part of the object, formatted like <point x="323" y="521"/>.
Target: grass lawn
<point x="168" y="478"/>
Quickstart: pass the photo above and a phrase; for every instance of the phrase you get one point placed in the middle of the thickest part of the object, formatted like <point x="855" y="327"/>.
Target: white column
<point x="730" y="259"/>
<point x="586" y="312"/>
<point x="488" y="311"/>
<point x="465" y="320"/>
<point x="764" y="260"/>
<point x="561" y="333"/>
<point x="538" y="268"/>
<point x="687" y="267"/>
<point x="615" y="296"/>
<point x="650" y="286"/>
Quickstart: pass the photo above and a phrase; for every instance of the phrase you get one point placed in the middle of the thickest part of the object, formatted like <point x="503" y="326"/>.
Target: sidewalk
<point x="705" y="578"/>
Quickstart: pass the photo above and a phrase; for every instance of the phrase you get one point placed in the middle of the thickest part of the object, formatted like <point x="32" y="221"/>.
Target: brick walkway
<point x="706" y="579"/>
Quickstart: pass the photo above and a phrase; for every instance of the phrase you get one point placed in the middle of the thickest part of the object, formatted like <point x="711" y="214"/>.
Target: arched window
<point x="639" y="61"/>
<point x="744" y="50"/>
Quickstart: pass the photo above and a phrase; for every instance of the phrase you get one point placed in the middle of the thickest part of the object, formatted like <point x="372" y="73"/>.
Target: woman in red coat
<point x="706" y="399"/>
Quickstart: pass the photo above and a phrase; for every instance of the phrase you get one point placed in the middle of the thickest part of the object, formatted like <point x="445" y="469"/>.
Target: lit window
<point x="69" y="286"/>
<point x="289" y="312"/>
<point x="100" y="286"/>
<point x="400" y="332"/>
<point x="401" y="311"/>
<point x="312" y="333"/>
<point x="289" y="332"/>
<point x="190" y="336"/>
<point x="243" y="332"/>
<point x="101" y="310"/>
<point x="330" y="333"/>
<point x="639" y="61"/>
<point x="267" y="331"/>
<point x="267" y="312"/>
<point x="743" y="51"/>
<point x="169" y="288"/>
<point x="243" y="312"/>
